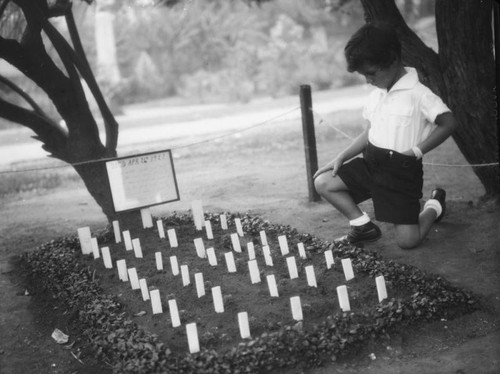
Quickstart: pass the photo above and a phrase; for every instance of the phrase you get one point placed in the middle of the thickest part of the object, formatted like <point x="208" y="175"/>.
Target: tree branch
<point x="23" y="94"/>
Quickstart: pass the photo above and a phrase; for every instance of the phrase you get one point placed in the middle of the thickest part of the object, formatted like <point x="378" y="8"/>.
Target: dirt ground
<point x="245" y="175"/>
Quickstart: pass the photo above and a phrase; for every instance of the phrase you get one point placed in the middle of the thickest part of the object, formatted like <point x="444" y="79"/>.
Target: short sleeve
<point x="432" y="106"/>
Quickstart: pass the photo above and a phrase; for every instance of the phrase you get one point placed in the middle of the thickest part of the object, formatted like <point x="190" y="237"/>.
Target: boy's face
<point x="380" y="77"/>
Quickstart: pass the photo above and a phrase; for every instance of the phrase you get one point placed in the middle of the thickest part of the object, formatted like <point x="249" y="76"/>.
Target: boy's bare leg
<point x="410" y="236"/>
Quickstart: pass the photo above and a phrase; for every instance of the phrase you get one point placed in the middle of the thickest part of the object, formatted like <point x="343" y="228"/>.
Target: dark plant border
<point x="55" y="267"/>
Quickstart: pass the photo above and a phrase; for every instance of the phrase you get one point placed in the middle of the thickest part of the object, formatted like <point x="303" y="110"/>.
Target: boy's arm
<point x="446" y="124"/>
<point x="356" y="147"/>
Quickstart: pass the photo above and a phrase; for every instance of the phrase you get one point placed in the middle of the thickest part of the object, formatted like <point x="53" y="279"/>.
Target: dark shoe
<point x="369" y="232"/>
<point x="440" y="195"/>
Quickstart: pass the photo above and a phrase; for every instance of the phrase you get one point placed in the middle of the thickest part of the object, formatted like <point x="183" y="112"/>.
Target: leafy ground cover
<point x="107" y="310"/>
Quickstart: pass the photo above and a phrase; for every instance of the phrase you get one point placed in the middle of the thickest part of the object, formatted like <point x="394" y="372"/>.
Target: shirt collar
<point x="407" y="81"/>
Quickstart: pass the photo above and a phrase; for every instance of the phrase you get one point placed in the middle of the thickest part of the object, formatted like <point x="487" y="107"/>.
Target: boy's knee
<point x="320" y="183"/>
<point x="408" y="243"/>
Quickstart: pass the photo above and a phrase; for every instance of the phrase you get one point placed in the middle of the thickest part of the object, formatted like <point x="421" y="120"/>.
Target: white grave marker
<point x="218" y="302"/>
<point x="147" y="219"/>
<point x="343" y="298"/>
<point x="156" y="301"/>
<point x="267" y="255"/>
<point x="134" y="279"/>
<point x="254" y="271"/>
<point x="283" y="245"/>
<point x="159" y="261"/>
<point x="161" y="230"/>
<point x="329" y="259"/>
<point x="198" y="216"/>
<point x="172" y="238"/>
<point x="263" y="238"/>
<point x="174" y="313"/>
<point x="174" y="265"/>
<point x="302" y="250"/>
<point x="85" y="236"/>
<point x="192" y="336"/>
<point x="347" y="266"/>
<point x="128" y="241"/>
<point x="381" y="289"/>
<point x="244" y="326"/>
<point x="208" y="229"/>
<point x="235" y="241"/>
<point x="271" y="284"/>
<point x="292" y="267"/>
<point x="106" y="257"/>
<point x="251" y="251"/>
<point x="116" y="231"/>
<point x="122" y="270"/>
<point x="200" y="285"/>
<point x="239" y="228"/>
<point x="296" y="308"/>
<point x="200" y="247"/>
<point x="223" y="222"/>
<point x="311" y="277"/>
<point x="144" y="289"/>
<point x="185" y="275"/>
<point x="95" y="248"/>
<point x="212" y="259"/>
<point x="137" y="247"/>
<point x="231" y="265"/>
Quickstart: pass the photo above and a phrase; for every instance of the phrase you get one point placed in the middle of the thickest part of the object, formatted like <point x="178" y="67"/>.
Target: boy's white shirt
<point x="403" y="117"/>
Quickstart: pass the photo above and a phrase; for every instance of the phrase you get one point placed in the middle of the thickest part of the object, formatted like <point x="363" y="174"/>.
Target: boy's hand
<point x="333" y="165"/>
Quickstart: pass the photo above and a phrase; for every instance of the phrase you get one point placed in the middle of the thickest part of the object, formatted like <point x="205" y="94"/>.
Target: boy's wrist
<point x="418" y="152"/>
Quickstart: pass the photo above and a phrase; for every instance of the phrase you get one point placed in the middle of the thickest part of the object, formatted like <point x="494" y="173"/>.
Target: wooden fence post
<point x="309" y="140"/>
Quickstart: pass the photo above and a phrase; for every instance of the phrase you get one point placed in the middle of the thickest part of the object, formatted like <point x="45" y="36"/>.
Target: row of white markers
<point x="89" y="245"/>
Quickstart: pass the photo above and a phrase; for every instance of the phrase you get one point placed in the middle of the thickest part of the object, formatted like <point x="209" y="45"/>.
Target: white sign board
<point x="142" y="180"/>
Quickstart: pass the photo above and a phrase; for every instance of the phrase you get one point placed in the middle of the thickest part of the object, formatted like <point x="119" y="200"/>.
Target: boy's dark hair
<point x="375" y="44"/>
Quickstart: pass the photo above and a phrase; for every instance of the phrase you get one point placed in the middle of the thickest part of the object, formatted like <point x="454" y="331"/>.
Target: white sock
<point x="434" y="204"/>
<point x="361" y="220"/>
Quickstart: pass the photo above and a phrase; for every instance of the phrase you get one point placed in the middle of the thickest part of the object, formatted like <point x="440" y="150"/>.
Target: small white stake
<point x="128" y="242"/>
<point x="263" y="238"/>
<point x="198" y="216"/>
<point x="283" y="245"/>
<point x="244" y="326"/>
<point x="106" y="257"/>
<point x="311" y="277"/>
<point x="147" y="220"/>
<point x="347" y="266"/>
<point x="239" y="228"/>
<point x="302" y="250"/>
<point x="200" y="286"/>
<point x="292" y="267"/>
<point x="137" y="247"/>
<point x="161" y="230"/>
<point x="296" y="308"/>
<point x="95" y="248"/>
<point x="85" y="236"/>
<point x="267" y="255"/>
<point x="251" y="251"/>
<point x="134" y="279"/>
<point x="218" y="302"/>
<point x="174" y="265"/>
<point x="159" y="261"/>
<point x="116" y="231"/>
<point x="156" y="301"/>
<point x="223" y="222"/>
<point x="212" y="259"/>
<point x="172" y="238"/>
<point x="329" y="259"/>
<point x="343" y="298"/>
<point x="381" y="289"/>
<point x="185" y="275"/>
<point x="144" y="289"/>
<point x="235" y="241"/>
<point x="231" y="266"/>
<point x="271" y="284"/>
<point x="122" y="270"/>
<point x="174" y="313"/>
<point x="254" y="271"/>
<point x="208" y="229"/>
<point x="200" y="247"/>
<point x="192" y="335"/>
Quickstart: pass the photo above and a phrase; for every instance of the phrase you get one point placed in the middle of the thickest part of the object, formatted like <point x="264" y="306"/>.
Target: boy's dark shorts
<point x="392" y="180"/>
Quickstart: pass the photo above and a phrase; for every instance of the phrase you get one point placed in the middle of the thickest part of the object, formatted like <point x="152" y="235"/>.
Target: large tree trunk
<point x="462" y="74"/>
